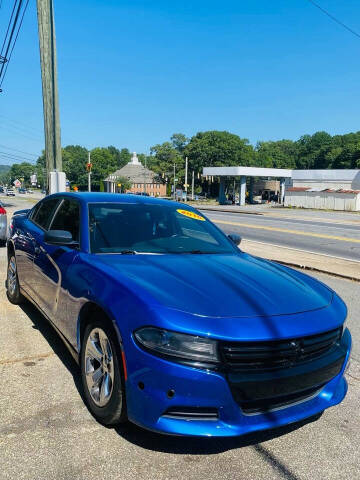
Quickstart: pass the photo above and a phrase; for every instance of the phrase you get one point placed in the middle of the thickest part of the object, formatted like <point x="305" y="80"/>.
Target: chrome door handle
<point x="37" y="250"/>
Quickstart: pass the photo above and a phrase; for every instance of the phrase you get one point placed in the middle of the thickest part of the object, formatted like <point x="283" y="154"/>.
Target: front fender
<point x="88" y="285"/>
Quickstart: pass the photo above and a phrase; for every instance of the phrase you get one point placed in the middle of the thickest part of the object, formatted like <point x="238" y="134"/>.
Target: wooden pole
<point x="48" y="59"/>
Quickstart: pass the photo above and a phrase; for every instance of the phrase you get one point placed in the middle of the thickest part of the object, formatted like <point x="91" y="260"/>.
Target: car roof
<point x="100" y="197"/>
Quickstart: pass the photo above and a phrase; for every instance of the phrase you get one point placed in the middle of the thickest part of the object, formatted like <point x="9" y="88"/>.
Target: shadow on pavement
<point x="52" y="337"/>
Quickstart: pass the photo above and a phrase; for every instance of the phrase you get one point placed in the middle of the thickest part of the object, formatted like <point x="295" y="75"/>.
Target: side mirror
<point x="59" y="237"/>
<point x="235" y="238"/>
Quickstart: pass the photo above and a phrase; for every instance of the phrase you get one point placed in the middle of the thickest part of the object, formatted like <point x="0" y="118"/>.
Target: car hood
<point x="237" y="285"/>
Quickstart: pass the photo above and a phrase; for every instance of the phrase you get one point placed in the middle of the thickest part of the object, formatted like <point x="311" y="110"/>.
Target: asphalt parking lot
<point x="46" y="432"/>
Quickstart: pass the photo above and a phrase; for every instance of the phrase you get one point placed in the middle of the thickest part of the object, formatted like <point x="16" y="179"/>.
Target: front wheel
<point x="102" y="374"/>
<point x="12" y="283"/>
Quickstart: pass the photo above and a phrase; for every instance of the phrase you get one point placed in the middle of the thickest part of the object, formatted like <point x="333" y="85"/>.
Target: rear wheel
<point x="102" y="374"/>
<point x="12" y="283"/>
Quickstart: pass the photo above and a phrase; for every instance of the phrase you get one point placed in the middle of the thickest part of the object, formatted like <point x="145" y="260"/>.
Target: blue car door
<point x="25" y="248"/>
<point x="27" y="243"/>
<point x="52" y="261"/>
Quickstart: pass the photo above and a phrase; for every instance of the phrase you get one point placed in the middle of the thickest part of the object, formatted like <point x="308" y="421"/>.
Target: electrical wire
<point x="18" y="131"/>
<point x="16" y="156"/>
<point x="15" y="159"/>
<point x="339" y="22"/>
<point x="19" y="151"/>
<point x="8" y="28"/>
<point x="22" y="125"/>
<point x="13" y="46"/>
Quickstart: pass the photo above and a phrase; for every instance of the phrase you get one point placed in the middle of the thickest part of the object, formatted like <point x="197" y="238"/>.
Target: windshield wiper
<point x="128" y="252"/>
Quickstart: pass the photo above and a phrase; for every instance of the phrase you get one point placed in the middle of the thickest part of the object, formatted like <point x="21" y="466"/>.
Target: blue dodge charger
<point x="173" y="326"/>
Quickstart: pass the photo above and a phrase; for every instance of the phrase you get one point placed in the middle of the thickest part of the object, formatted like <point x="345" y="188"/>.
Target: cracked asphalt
<point x="47" y="433"/>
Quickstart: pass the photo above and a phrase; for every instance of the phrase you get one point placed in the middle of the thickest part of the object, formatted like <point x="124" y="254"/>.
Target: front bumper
<point x="155" y="386"/>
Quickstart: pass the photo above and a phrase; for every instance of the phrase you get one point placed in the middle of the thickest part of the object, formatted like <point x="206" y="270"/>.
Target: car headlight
<point x="177" y="346"/>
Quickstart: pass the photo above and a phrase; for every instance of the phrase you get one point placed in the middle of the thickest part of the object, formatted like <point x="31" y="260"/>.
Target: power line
<point x="339" y="22"/>
<point x="13" y="46"/>
<point x="8" y="28"/>
<point x="22" y="133"/>
<point x="22" y="125"/>
<point x="19" y="151"/>
<point x="5" y="52"/>
<point x="15" y="158"/>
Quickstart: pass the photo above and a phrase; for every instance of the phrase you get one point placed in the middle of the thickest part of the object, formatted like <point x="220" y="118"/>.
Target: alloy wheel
<point x="12" y="276"/>
<point x="99" y="367"/>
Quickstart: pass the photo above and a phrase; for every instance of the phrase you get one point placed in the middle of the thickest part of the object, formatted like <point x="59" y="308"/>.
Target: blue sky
<point x="133" y="72"/>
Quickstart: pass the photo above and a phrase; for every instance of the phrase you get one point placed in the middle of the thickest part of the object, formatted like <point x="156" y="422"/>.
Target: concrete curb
<point x="334" y="266"/>
<point x="314" y="269"/>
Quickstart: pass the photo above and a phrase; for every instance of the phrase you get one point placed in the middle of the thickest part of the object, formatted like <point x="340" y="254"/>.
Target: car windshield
<point x="131" y="228"/>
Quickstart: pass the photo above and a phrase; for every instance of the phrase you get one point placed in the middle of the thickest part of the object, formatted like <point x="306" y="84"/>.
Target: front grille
<point x="271" y="355"/>
<point x="255" y="395"/>
<point x="271" y="404"/>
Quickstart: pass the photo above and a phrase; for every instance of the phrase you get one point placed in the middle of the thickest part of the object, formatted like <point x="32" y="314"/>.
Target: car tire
<point x="102" y="373"/>
<point x="12" y="283"/>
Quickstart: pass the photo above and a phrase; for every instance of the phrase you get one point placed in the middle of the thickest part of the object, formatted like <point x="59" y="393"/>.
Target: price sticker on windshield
<point x="189" y="214"/>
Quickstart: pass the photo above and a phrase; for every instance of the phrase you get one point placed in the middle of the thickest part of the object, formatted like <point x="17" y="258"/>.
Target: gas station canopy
<point x="243" y="173"/>
<point x="247" y="172"/>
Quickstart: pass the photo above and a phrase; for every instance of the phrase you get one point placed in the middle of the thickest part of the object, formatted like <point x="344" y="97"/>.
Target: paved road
<point x="331" y="234"/>
<point x="46" y="432"/>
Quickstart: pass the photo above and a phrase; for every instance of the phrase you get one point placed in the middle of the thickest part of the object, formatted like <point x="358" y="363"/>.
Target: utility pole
<point x="192" y="185"/>
<point x="186" y="177"/>
<point x="48" y="59"/>
<point x="89" y="165"/>
<point x="174" y="182"/>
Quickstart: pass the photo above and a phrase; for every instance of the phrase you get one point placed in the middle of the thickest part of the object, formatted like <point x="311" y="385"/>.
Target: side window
<point x="34" y="211"/>
<point x="68" y="218"/>
<point x="43" y="215"/>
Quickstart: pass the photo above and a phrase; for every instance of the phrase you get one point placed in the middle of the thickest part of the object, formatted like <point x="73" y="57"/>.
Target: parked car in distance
<point x="10" y="192"/>
<point x="29" y="191"/>
<point x="1" y="189"/>
<point x="22" y="190"/>
<point x="3" y="224"/>
<point x="173" y="326"/>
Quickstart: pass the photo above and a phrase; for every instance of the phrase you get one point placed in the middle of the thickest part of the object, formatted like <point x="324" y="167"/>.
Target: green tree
<point x="163" y="158"/>
<point x="216" y="149"/>
<point x="179" y="141"/>
<point x="103" y="163"/>
<point x="75" y="159"/>
<point x="312" y="150"/>
<point x="122" y="156"/>
<point x="279" y="154"/>
<point x="22" y="171"/>
<point x="125" y="183"/>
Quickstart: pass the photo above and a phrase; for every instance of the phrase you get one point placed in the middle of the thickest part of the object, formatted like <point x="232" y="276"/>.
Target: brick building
<point x="142" y="179"/>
